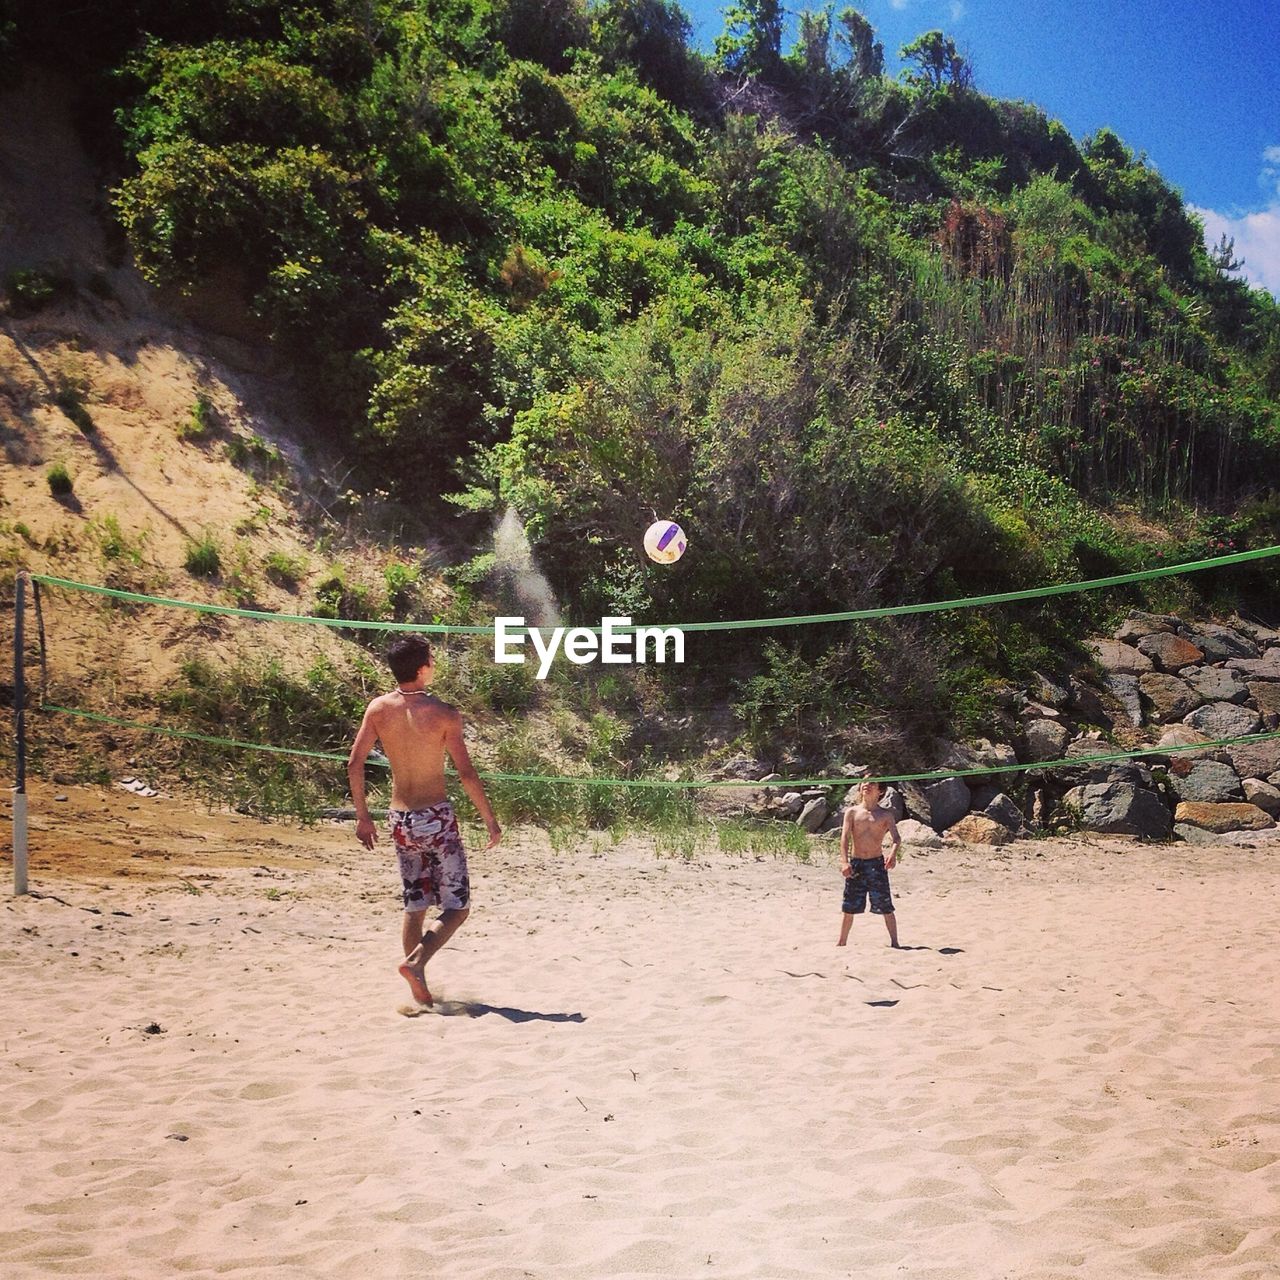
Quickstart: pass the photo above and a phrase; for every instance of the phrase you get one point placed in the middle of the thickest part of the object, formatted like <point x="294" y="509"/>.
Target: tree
<point x="752" y="40"/>
<point x="937" y="62"/>
<point x="866" y="53"/>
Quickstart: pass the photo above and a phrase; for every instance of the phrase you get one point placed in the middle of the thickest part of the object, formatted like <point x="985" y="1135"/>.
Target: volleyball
<point x="664" y="541"/>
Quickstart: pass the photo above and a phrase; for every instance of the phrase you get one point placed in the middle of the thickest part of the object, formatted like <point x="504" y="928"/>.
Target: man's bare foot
<point x="841" y="943"/>
<point x="417" y="983"/>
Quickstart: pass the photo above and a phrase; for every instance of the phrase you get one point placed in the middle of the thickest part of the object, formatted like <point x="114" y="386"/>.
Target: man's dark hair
<point x="407" y="655"/>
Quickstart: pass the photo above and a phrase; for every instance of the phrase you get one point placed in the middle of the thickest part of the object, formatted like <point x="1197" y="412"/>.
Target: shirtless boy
<point x="417" y="730"/>
<point x="866" y="874"/>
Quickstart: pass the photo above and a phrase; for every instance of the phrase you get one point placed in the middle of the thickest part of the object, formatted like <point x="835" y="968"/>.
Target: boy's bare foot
<point x="841" y="943"/>
<point x="417" y="983"/>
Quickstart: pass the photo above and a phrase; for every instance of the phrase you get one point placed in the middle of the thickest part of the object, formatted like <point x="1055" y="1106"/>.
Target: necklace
<point x="407" y="692"/>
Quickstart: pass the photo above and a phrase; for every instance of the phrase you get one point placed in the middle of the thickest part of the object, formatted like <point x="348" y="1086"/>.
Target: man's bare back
<point x="414" y="729"/>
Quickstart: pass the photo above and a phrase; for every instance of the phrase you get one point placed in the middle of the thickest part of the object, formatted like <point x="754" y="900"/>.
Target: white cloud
<point x="1257" y="241"/>
<point x="958" y="12"/>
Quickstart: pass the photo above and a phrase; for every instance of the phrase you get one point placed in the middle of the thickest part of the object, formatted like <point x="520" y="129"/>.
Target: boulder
<point x="1113" y="656"/>
<point x="1046" y="740"/>
<point x="1255" y="759"/>
<point x="1049" y="691"/>
<point x="1168" y="697"/>
<point x="813" y="815"/>
<point x="743" y="768"/>
<point x="1038" y="711"/>
<point x="1002" y="810"/>
<point x="1260" y="635"/>
<point x="1194" y="835"/>
<point x="1170" y="653"/>
<point x="1216" y="684"/>
<point x="1208" y="780"/>
<point x="1223" y="720"/>
<point x="892" y="800"/>
<point x="1120" y="808"/>
<point x="1265" y="668"/>
<point x="1091" y="772"/>
<point x="789" y="805"/>
<point x="980" y="753"/>
<point x="1219" y="643"/>
<point x="1139" y="624"/>
<point x="1265" y="695"/>
<point x="1181" y="735"/>
<point x="948" y="802"/>
<point x="1222" y="817"/>
<point x="919" y="835"/>
<point x="982" y="795"/>
<point x="1263" y="794"/>
<point x="1087" y="702"/>
<point x="1127" y="692"/>
<point x="977" y="828"/>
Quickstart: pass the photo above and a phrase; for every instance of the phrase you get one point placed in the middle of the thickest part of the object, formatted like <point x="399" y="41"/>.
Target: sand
<point x="639" y="1066"/>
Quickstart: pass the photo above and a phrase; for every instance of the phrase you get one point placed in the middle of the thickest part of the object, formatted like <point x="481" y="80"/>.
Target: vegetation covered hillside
<point x="872" y="339"/>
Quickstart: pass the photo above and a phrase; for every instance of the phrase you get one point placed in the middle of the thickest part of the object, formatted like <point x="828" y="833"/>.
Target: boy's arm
<point x="366" y="736"/>
<point x="891" y="861"/>
<point x="455" y="744"/>
<point x="846" y="834"/>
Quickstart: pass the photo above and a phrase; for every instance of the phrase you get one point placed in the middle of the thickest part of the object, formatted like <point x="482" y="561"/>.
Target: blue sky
<point x="1194" y="84"/>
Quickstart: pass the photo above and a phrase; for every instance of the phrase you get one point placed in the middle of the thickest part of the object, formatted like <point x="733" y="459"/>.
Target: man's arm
<point x="455" y="744"/>
<point x="846" y="834"/>
<point x="366" y="736"/>
<point x="891" y="861"/>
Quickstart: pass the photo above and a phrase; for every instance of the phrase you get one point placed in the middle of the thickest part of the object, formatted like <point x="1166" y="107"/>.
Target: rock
<point x="1046" y="740"/>
<point x="1219" y="643"/>
<point x="1170" y="653"/>
<point x="1113" y="656"/>
<point x="1222" y="817"/>
<point x="1195" y="835"/>
<point x="854" y="771"/>
<point x="743" y="768"/>
<point x="1087" y="703"/>
<point x="1260" y="635"/>
<point x="982" y="795"/>
<point x="1125" y="689"/>
<point x="893" y="801"/>
<point x="917" y="803"/>
<point x="1139" y="624"/>
<point x="977" y="828"/>
<point x="1223" y="720"/>
<point x="919" y="835"/>
<point x="1169" y="697"/>
<point x="1265" y="668"/>
<point x="1263" y="794"/>
<point x="771" y="777"/>
<point x="1100" y="771"/>
<point x="1265" y="695"/>
<point x="1210" y="781"/>
<point x="1002" y="810"/>
<point x="1039" y="711"/>
<point x="1120" y="808"/>
<point x="948" y="802"/>
<point x="1216" y="684"/>
<point x="813" y="815"/>
<point x="1050" y="692"/>
<point x="1181" y="735"/>
<point x="788" y="805"/>
<point x="1255" y="759"/>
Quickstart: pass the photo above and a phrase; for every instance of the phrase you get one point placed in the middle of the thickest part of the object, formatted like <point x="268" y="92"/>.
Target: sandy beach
<point x="638" y="1065"/>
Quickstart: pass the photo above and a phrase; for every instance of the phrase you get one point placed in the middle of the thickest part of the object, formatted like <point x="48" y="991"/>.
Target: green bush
<point x="203" y="558"/>
<point x="59" y="480"/>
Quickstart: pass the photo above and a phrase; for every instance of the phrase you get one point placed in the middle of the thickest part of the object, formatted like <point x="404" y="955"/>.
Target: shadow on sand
<point x="474" y="1009"/>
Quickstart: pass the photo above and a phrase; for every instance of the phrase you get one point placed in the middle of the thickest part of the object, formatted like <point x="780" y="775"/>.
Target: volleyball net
<point x="30" y="634"/>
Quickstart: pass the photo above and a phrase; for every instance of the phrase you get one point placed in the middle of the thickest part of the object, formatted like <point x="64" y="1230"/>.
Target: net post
<point x="20" y="736"/>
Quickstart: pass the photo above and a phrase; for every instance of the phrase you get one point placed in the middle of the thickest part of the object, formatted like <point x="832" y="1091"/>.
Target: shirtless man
<point x="416" y="730"/>
<point x="867" y="874"/>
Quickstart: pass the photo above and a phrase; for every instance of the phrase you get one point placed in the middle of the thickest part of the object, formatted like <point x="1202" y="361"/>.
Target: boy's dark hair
<point x="407" y="655"/>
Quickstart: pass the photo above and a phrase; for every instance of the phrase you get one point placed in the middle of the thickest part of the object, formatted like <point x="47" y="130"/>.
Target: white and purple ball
<point x="664" y="541"/>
